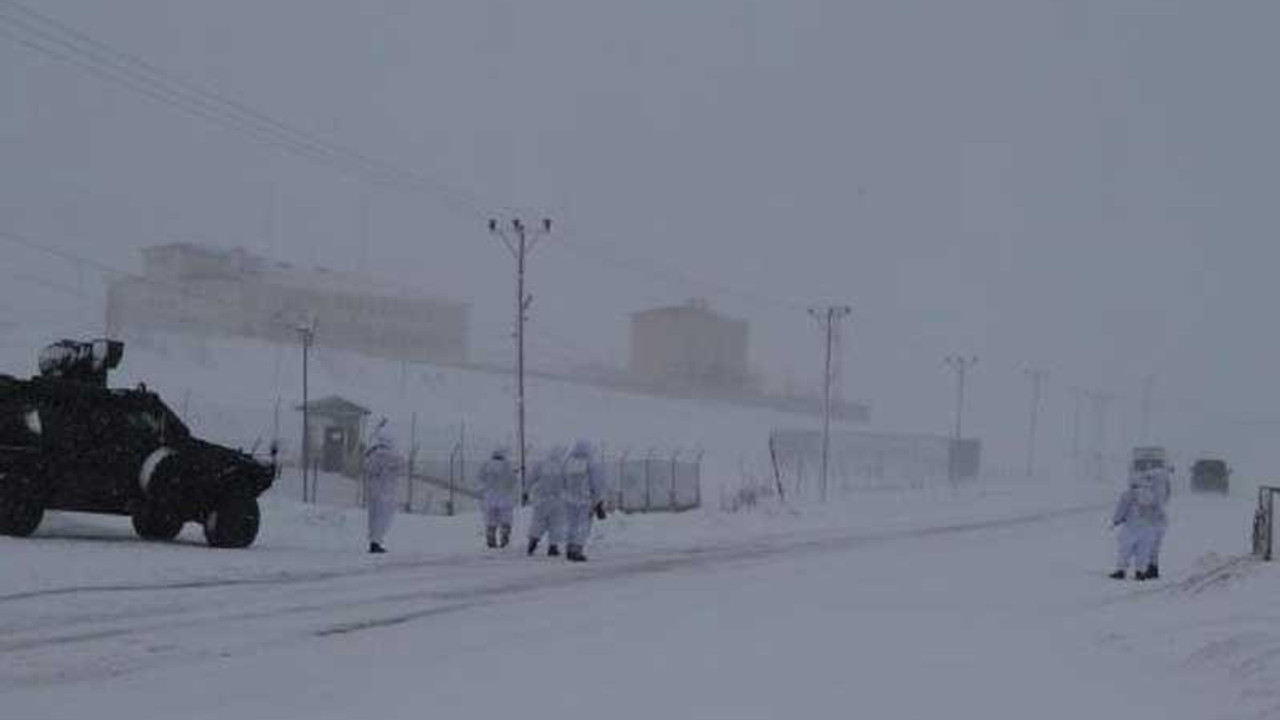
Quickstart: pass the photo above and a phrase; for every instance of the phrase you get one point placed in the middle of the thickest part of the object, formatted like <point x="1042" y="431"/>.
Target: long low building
<point x="192" y="289"/>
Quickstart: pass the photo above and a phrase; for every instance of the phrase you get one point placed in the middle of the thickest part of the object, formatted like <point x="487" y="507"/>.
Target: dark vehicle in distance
<point x="1210" y="476"/>
<point x="68" y="442"/>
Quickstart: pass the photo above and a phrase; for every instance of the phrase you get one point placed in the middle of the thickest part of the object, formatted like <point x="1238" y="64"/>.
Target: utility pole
<point x="1077" y="395"/>
<point x="413" y="455"/>
<point x="1148" y="389"/>
<point x="1038" y="378"/>
<point x="827" y="318"/>
<point x="520" y="240"/>
<point x="308" y="334"/>
<point x="960" y="364"/>
<point x="1101" y="403"/>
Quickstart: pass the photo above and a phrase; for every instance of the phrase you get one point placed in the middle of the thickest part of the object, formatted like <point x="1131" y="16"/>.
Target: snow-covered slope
<point x="239" y="392"/>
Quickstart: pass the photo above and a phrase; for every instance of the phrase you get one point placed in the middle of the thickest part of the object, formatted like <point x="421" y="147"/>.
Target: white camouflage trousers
<point x="548" y="519"/>
<point x="577" y="523"/>
<point x="381" y="511"/>
<point x="1136" y="543"/>
<point x="498" y="515"/>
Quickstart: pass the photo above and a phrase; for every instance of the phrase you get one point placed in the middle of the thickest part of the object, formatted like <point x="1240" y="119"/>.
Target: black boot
<point x="575" y="554"/>
<point x="1117" y="575"/>
<point x="504" y="536"/>
<point x="1153" y="572"/>
<point x="1141" y="575"/>
<point x="491" y="537"/>
<point x="533" y="545"/>
<point x="553" y="550"/>
<point x="376" y="548"/>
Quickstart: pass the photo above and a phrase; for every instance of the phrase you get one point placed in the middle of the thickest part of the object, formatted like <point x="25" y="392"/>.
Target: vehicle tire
<point x="20" y="509"/>
<point x="233" y="522"/>
<point x="153" y="524"/>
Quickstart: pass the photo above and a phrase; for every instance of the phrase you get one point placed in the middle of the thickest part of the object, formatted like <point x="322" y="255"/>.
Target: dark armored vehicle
<point x="68" y="442"/>
<point x="1210" y="475"/>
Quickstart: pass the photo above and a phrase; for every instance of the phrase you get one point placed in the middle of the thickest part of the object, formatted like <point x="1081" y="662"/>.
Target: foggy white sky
<point x="1084" y="186"/>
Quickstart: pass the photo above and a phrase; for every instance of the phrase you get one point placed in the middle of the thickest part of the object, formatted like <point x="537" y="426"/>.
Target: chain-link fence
<point x="870" y="461"/>
<point x="444" y="460"/>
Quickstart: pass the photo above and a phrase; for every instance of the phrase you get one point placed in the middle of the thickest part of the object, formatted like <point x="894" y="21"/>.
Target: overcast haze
<point x="1087" y="187"/>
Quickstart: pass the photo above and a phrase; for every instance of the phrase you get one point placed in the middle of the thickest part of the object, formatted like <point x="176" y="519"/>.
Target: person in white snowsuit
<point x="1137" y="513"/>
<point x="583" y="496"/>
<point x="546" y="489"/>
<point x="498" y="484"/>
<point x="383" y="467"/>
<point x="1162" y="484"/>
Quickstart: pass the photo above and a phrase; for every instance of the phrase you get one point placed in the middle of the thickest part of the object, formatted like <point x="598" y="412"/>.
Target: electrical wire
<point x="44" y="34"/>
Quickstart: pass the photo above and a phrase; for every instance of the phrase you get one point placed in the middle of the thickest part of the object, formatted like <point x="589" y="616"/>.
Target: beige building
<point x="192" y="289"/>
<point x="689" y="347"/>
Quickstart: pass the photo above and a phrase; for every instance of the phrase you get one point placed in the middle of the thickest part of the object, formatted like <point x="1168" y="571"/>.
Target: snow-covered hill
<point x="241" y="392"/>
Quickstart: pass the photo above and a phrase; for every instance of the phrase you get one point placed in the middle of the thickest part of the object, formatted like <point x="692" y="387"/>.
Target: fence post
<point x="648" y="503"/>
<point x="1264" y="522"/>
<point x="453" y="456"/>
<point x="673" y="504"/>
<point x="413" y="453"/>
<point x="1271" y="523"/>
<point x="462" y="463"/>
<point x="697" y="474"/>
<point x="315" y="483"/>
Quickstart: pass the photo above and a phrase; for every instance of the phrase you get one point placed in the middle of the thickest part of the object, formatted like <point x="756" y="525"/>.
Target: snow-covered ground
<point x="983" y="602"/>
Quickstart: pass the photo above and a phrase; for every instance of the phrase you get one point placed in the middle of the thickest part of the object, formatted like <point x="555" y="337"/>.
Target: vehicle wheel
<point x="233" y="522"/>
<point x="152" y="524"/>
<point x="20" y="510"/>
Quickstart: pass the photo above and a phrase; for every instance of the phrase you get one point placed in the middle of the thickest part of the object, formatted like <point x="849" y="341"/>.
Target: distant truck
<point x="1150" y="457"/>
<point x="68" y="442"/>
<point x="1211" y="475"/>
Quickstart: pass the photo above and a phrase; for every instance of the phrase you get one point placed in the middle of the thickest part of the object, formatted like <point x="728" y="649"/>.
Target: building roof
<point x="334" y="406"/>
<point x="693" y="308"/>
<point x="244" y="265"/>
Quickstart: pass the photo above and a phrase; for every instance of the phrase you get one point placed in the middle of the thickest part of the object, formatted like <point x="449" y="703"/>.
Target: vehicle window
<point x="20" y="425"/>
<point x="144" y="421"/>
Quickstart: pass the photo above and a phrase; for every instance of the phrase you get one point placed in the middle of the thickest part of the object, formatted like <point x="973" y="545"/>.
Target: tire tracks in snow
<point x="137" y="638"/>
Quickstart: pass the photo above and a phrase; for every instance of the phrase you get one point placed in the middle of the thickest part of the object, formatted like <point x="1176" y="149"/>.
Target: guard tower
<point x="337" y="424"/>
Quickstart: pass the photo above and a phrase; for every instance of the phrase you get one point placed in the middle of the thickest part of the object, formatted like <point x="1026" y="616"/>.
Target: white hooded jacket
<point x="583" y="477"/>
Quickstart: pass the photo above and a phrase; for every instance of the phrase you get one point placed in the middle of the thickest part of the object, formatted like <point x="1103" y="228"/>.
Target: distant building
<point x="192" y="289"/>
<point x="689" y="347"/>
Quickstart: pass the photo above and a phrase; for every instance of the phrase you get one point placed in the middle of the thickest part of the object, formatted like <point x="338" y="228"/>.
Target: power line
<point x="603" y="255"/>
<point x="105" y="269"/>
<point x="46" y="35"/>
<point x="140" y="76"/>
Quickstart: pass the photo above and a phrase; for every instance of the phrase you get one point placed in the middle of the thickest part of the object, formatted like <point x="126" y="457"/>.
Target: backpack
<point x="577" y="471"/>
<point x="1146" y="500"/>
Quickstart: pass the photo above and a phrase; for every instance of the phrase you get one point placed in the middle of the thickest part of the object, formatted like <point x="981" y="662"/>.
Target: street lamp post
<point x="307" y="334"/>
<point x="961" y="365"/>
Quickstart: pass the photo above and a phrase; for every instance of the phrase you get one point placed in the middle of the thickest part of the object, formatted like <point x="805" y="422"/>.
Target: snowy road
<point x="1000" y="617"/>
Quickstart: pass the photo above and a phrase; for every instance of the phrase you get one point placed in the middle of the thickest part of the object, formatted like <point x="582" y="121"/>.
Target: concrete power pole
<point x="1077" y="395"/>
<point x="1148" y="389"/>
<point x="520" y="240"/>
<point x="1038" y="378"/>
<point x="960" y="364"/>
<point x="827" y="318"/>
<point x="1101" y="403"/>
<point x="308" y="336"/>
